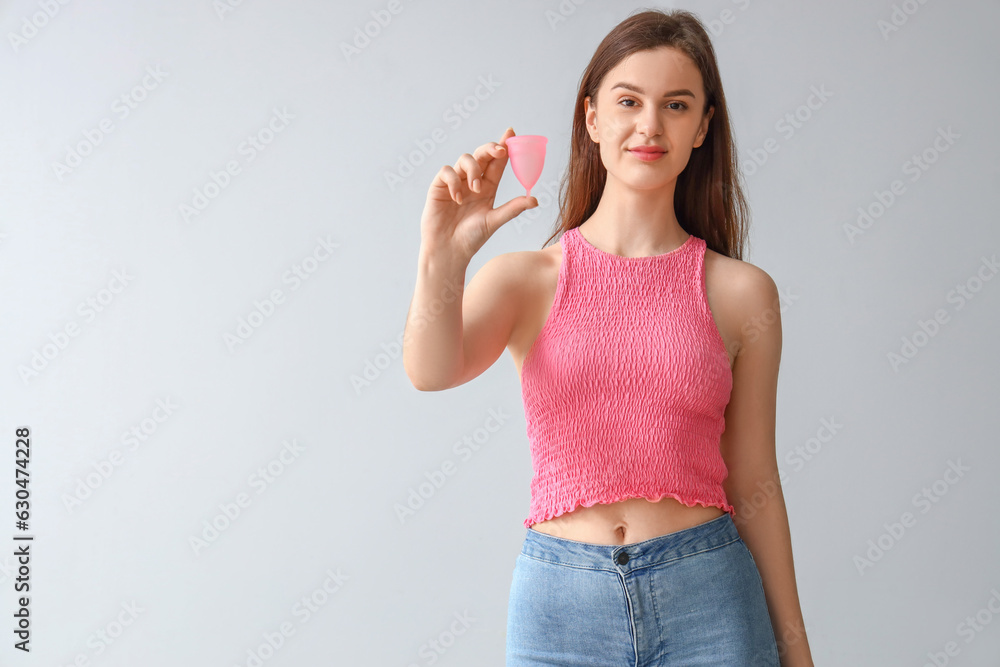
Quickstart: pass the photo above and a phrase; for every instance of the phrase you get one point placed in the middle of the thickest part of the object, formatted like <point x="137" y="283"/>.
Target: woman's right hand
<point x="459" y="216"/>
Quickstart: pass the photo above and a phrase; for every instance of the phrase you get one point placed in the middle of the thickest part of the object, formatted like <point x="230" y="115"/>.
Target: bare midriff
<point x="627" y="522"/>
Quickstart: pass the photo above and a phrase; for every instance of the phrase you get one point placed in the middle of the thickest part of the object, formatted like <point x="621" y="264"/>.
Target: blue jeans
<point x="691" y="597"/>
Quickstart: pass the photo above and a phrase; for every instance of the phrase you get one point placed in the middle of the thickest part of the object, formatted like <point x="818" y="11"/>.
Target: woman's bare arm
<point x="453" y="333"/>
<point x="748" y="446"/>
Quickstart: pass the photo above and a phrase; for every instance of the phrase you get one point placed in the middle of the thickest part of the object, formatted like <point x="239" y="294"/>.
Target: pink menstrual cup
<point x="527" y="156"/>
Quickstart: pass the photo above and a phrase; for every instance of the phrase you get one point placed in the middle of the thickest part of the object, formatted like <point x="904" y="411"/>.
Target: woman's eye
<point x="680" y="106"/>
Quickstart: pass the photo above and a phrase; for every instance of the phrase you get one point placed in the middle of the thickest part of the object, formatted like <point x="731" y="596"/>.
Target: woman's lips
<point x="647" y="155"/>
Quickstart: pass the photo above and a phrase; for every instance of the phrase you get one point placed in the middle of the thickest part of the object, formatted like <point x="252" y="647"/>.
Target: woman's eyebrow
<point x="637" y="89"/>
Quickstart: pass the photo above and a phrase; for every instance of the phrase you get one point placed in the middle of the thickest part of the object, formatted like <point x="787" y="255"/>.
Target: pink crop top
<point x="626" y="386"/>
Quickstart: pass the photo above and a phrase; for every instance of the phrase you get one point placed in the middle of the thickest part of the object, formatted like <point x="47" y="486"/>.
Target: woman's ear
<point x="590" y="117"/>
<point x="703" y="130"/>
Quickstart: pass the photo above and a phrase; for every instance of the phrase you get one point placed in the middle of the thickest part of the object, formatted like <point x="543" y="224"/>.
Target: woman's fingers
<point x="487" y="163"/>
<point x="493" y="161"/>
<point x="471" y="170"/>
<point x="474" y="167"/>
<point x="493" y="169"/>
<point x="489" y="152"/>
<point x="453" y="181"/>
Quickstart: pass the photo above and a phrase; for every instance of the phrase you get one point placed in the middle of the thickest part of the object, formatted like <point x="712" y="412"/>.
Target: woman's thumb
<point x="512" y="209"/>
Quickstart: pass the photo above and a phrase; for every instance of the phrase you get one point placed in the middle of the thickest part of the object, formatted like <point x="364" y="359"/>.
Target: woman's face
<point x="652" y="98"/>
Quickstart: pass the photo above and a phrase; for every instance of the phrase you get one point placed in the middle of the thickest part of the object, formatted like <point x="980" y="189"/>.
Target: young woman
<point x="648" y="353"/>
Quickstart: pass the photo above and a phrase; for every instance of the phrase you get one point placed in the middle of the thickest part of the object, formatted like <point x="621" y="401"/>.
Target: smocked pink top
<point x="626" y="386"/>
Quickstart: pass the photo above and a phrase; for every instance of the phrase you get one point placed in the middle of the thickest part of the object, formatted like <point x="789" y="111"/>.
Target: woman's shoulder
<point x="739" y="274"/>
<point x="530" y="266"/>
<point x="526" y="274"/>
<point x="746" y="289"/>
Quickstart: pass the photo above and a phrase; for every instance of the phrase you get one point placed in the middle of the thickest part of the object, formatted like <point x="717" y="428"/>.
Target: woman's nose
<point x="650" y="122"/>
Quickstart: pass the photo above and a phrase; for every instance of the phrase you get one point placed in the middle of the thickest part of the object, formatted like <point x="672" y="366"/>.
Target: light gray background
<point x="324" y="369"/>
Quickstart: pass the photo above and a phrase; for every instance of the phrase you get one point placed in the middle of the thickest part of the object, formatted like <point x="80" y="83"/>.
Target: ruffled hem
<point x="568" y="507"/>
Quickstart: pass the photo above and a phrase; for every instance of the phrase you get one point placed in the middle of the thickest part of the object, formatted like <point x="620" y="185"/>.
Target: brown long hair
<point x="708" y="199"/>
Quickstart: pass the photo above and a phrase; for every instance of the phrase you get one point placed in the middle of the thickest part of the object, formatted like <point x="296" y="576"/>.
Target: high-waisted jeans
<point x="691" y="597"/>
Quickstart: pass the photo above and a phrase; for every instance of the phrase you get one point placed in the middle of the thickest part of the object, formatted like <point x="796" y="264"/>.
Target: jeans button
<point x="622" y="558"/>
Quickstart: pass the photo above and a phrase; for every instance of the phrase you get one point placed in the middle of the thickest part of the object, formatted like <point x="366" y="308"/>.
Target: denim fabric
<point x="691" y="597"/>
